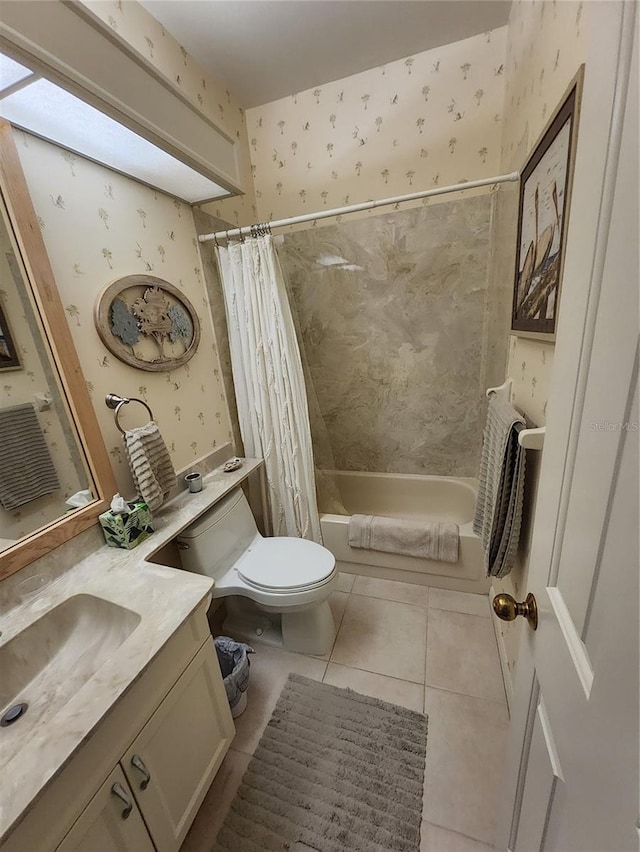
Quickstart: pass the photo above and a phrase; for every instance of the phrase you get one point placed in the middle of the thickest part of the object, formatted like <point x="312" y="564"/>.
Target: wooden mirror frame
<point x="15" y="193"/>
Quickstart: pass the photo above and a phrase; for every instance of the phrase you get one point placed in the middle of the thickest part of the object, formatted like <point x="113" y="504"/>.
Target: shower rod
<point x="246" y="230"/>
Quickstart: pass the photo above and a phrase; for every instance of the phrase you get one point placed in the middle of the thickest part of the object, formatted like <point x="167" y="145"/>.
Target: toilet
<point x="277" y="589"/>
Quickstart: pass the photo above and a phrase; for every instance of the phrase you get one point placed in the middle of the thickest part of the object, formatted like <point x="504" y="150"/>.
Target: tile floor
<point x="428" y="649"/>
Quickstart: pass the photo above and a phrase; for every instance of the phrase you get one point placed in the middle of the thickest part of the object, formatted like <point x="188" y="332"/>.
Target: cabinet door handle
<point x="119" y="791"/>
<point x="138" y="763"/>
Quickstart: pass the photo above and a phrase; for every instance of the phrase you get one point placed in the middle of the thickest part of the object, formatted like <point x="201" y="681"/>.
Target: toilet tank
<point x="213" y="543"/>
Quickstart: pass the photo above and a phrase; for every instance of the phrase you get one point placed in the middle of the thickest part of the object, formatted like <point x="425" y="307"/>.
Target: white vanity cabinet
<point x="137" y="783"/>
<point x="111" y="822"/>
<point x="172" y="761"/>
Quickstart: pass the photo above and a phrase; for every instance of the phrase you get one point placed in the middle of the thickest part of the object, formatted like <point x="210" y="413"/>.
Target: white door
<point x="111" y="822"/>
<point x="572" y="772"/>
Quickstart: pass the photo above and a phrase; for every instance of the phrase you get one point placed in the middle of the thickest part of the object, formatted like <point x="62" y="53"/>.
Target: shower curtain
<point x="269" y="383"/>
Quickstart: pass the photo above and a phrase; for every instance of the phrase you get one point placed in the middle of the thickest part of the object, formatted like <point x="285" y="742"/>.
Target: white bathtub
<point x="430" y="498"/>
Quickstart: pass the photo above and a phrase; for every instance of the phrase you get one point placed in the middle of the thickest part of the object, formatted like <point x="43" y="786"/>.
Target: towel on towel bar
<point x="406" y="537"/>
<point x="26" y="468"/>
<point x="498" y="513"/>
<point x="150" y="463"/>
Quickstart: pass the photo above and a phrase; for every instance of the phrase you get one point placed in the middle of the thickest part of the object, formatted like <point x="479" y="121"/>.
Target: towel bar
<point x="115" y="402"/>
<point x="530" y="439"/>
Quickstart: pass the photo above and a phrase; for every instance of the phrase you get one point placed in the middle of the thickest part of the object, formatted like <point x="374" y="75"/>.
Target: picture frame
<point x="543" y="215"/>
<point x="9" y="358"/>
<point x="147" y="323"/>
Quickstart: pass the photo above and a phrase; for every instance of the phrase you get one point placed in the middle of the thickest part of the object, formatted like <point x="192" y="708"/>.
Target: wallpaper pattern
<point x="545" y="47"/>
<point x="427" y="120"/>
<point x="155" y="45"/>
<point x="98" y="226"/>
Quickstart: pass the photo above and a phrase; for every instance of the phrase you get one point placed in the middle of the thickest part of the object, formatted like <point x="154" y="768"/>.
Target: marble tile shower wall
<point x="392" y="314"/>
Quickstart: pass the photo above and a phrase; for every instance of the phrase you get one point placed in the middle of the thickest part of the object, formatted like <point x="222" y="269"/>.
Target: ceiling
<point x="263" y="50"/>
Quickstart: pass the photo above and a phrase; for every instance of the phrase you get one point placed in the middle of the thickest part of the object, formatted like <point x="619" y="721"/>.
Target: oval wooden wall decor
<point x="147" y="323"/>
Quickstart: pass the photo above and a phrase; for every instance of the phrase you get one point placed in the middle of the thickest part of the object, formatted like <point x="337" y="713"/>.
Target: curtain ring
<point x="226" y="236"/>
<point x="215" y="241"/>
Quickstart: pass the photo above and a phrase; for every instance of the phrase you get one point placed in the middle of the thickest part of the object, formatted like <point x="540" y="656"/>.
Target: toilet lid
<point x="285" y="563"/>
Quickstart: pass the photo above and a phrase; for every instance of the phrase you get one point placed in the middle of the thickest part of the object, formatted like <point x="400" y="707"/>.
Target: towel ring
<point x="116" y="402"/>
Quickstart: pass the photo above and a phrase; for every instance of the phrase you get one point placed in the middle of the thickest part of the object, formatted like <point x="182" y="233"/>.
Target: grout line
<point x="421" y="607"/>
<point x="466" y="695"/>
<point x="380" y="674"/>
<point x="335" y="638"/>
<point x="460" y="612"/>
<point x="426" y="652"/>
<point x="459" y="833"/>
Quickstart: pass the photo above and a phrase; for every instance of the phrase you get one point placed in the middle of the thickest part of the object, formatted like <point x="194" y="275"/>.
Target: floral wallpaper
<point x="20" y="386"/>
<point x="545" y="47"/>
<point x="99" y="226"/>
<point x="426" y="120"/>
<point x="155" y="45"/>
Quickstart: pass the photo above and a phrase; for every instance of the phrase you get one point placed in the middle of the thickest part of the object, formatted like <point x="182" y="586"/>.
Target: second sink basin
<point x="50" y="660"/>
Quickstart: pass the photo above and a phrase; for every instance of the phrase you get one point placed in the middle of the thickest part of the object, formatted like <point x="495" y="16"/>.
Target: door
<point x="572" y="771"/>
<point x="174" y="759"/>
<point x="111" y="822"/>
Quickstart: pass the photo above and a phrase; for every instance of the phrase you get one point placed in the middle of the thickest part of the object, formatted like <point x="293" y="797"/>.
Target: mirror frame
<point x="14" y="191"/>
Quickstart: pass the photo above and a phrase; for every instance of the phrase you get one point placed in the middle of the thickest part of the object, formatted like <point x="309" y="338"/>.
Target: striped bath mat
<point x="334" y="771"/>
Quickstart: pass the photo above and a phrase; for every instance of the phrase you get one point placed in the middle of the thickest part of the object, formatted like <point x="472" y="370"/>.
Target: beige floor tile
<point x="213" y="809"/>
<point x="465" y="757"/>
<point x="270" y="668"/>
<point x="391" y="590"/>
<point x="436" y="839"/>
<point x="338" y="603"/>
<point x="345" y="582"/>
<point x="391" y="689"/>
<point x="385" y="637"/>
<point x="462" y="655"/>
<point x="459" y="602"/>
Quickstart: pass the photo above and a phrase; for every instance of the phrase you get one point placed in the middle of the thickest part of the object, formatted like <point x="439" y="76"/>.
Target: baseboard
<point x="502" y="652"/>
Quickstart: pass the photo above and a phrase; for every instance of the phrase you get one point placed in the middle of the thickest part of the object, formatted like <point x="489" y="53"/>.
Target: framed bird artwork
<point x="543" y="215"/>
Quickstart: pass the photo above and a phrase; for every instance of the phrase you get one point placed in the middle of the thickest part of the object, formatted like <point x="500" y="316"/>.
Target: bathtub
<point x="430" y="498"/>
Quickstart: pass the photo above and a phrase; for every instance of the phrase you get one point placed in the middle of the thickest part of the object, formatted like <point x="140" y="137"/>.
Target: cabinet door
<point x="111" y="822"/>
<point x="173" y="760"/>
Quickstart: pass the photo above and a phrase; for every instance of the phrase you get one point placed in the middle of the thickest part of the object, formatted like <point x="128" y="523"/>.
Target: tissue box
<point x="127" y="529"/>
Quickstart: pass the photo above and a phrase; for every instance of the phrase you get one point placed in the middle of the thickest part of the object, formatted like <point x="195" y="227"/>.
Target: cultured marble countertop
<point x="163" y="597"/>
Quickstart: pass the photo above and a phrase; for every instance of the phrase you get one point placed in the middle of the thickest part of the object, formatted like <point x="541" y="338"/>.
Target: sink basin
<point x="46" y="664"/>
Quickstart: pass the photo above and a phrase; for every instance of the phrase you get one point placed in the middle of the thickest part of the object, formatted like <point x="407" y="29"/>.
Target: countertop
<point x="163" y="597"/>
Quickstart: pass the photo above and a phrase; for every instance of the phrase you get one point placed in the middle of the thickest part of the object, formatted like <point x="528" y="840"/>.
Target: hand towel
<point x="26" y="468"/>
<point x="150" y="463"/>
<point x="498" y="513"/>
<point x="406" y="537"/>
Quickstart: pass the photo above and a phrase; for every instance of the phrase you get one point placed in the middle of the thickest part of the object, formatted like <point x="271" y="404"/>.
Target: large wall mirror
<point x="55" y="475"/>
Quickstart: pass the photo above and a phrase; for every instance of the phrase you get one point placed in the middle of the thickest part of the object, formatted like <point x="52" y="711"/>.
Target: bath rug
<point x="334" y="771"/>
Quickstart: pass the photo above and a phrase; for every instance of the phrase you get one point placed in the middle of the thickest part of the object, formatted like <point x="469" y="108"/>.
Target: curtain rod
<point x="356" y="208"/>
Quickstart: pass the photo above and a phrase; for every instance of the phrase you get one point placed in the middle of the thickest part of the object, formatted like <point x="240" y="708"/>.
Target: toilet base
<point x="305" y="631"/>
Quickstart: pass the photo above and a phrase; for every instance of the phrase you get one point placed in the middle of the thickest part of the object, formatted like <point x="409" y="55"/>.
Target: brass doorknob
<point x="507" y="608"/>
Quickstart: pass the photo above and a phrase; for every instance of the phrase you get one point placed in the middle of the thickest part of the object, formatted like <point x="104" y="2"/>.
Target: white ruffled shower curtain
<point x="269" y="383"/>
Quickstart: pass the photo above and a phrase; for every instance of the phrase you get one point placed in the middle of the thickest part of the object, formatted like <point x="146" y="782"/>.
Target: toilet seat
<point x="285" y="565"/>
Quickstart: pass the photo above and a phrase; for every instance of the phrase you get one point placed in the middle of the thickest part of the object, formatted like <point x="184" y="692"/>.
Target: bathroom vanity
<point x="127" y="720"/>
